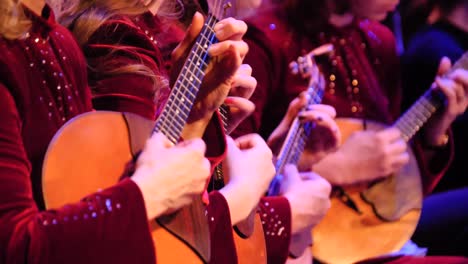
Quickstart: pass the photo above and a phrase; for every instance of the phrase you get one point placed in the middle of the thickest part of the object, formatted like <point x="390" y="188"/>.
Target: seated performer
<point x="362" y="76"/>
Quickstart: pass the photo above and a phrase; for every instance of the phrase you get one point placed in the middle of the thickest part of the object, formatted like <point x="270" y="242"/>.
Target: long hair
<point x="84" y="17"/>
<point x="13" y="22"/>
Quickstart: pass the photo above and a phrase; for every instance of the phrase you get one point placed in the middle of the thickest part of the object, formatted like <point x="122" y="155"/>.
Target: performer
<point x="362" y="82"/>
<point x="43" y="84"/>
<point x="137" y="40"/>
<point x="447" y="37"/>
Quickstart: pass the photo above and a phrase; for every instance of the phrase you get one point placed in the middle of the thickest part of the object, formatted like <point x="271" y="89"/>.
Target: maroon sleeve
<point x="106" y="227"/>
<point x="275" y="213"/>
<point x="222" y="241"/>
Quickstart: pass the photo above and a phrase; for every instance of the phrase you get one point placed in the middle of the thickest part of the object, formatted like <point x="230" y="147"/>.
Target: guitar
<point x="299" y="132"/>
<point x="90" y="153"/>
<point x="362" y="222"/>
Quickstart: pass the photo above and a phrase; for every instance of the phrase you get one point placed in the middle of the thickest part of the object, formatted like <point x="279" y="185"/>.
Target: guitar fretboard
<point x="418" y="114"/>
<point x="177" y="109"/>
<point x="295" y="142"/>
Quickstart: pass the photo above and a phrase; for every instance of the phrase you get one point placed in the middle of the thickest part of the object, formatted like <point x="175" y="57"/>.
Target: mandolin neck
<point x="418" y="114"/>
<point x="295" y="142"/>
<point x="177" y="109"/>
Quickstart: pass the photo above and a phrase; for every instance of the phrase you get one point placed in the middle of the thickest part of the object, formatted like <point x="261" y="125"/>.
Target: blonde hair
<point x="84" y="17"/>
<point x="13" y="22"/>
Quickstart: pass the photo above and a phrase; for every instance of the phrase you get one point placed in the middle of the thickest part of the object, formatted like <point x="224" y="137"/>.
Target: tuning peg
<point x="294" y="67"/>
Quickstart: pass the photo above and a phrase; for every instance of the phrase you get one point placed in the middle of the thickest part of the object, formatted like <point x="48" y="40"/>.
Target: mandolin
<point x="296" y="139"/>
<point x="373" y="220"/>
<point x="91" y="151"/>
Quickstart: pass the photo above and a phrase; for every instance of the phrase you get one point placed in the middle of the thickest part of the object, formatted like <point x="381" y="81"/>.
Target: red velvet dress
<point x="143" y="39"/>
<point x="42" y="85"/>
<point x="362" y="79"/>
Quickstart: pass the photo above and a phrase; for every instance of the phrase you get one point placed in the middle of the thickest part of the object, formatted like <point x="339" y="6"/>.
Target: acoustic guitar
<point x="355" y="228"/>
<point x="91" y="151"/>
<point x="299" y="132"/>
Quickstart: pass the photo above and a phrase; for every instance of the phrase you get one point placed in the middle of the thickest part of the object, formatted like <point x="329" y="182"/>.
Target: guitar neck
<point x="418" y="114"/>
<point x="295" y="142"/>
<point x="177" y="109"/>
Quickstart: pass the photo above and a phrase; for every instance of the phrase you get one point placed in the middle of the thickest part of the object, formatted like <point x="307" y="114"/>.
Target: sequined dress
<point x="42" y="85"/>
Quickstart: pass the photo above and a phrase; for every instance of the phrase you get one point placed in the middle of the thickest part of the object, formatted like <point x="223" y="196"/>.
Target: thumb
<point x="190" y="35"/>
<point x="196" y="144"/>
<point x="444" y="66"/>
<point x="291" y="174"/>
<point x="231" y="145"/>
<point x="158" y="141"/>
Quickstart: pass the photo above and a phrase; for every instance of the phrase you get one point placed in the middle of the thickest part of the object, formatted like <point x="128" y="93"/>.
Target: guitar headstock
<point x="308" y="68"/>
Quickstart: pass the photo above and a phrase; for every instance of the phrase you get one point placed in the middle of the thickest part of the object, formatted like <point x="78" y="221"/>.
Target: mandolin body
<point x="346" y="236"/>
<point x="91" y="151"/>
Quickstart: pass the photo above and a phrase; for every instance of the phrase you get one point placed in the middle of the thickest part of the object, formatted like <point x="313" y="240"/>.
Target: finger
<point x="400" y="161"/>
<point x="249" y="141"/>
<point x="391" y="134"/>
<point x="328" y="109"/>
<point x="397" y="147"/>
<point x="191" y="34"/>
<point x="295" y="106"/>
<point x="447" y="86"/>
<point x="226" y="47"/>
<point x="291" y="173"/>
<point x="239" y="105"/>
<point x="230" y="28"/>
<point x="239" y="109"/>
<point x="197" y="145"/>
<point x="243" y="85"/>
<point x="158" y="141"/>
<point x="245" y="69"/>
<point x="444" y="66"/>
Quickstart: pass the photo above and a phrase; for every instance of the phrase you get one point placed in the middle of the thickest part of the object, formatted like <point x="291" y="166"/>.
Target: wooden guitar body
<point x="347" y="236"/>
<point x="90" y="153"/>
<point x="250" y="240"/>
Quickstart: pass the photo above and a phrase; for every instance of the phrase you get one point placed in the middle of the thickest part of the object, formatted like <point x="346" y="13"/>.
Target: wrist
<point x="154" y="206"/>
<point x="240" y="206"/>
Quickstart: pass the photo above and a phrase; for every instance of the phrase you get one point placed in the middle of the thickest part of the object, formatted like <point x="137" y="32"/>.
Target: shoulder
<point x="430" y="45"/>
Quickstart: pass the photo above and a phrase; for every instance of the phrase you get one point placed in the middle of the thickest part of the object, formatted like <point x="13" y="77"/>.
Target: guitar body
<point x="250" y="240"/>
<point x="346" y="236"/>
<point x="90" y="152"/>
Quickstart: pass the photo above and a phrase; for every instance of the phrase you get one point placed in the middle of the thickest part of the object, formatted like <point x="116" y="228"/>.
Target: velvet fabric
<point x="362" y="77"/>
<point x="42" y="85"/>
<point x="144" y="40"/>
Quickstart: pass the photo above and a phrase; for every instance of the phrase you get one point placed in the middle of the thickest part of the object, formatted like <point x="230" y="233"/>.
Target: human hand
<point x="365" y="156"/>
<point x="226" y="57"/>
<point x="324" y="138"/>
<point x="249" y="170"/>
<point x="308" y="195"/>
<point x="455" y="88"/>
<point x="170" y="176"/>
<point x="239" y="106"/>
